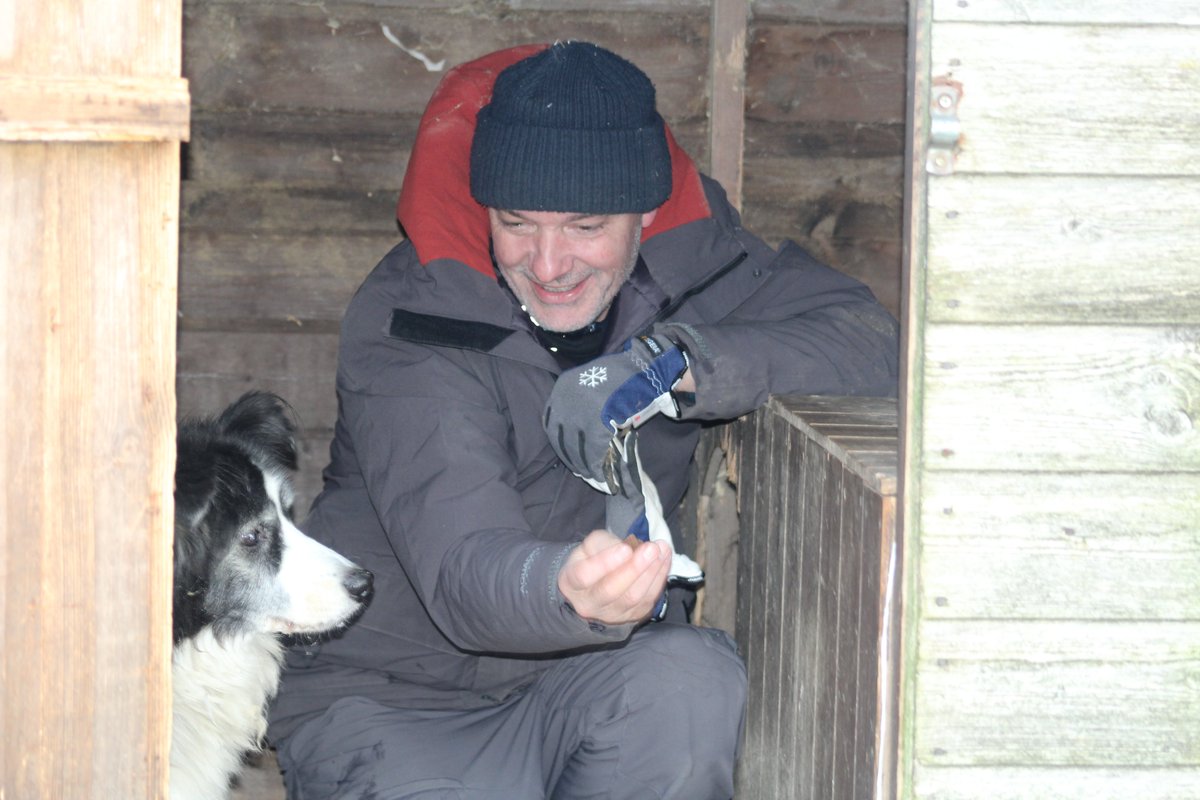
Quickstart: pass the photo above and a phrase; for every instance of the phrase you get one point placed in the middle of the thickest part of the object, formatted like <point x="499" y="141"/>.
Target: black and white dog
<point x="244" y="576"/>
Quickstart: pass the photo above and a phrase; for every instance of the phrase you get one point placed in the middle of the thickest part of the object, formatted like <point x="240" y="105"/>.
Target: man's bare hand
<point x="614" y="581"/>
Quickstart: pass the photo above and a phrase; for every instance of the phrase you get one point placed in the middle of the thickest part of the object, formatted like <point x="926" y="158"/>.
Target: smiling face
<point x="564" y="267"/>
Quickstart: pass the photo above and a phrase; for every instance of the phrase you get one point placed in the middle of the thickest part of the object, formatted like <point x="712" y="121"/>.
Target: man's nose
<point x="548" y="262"/>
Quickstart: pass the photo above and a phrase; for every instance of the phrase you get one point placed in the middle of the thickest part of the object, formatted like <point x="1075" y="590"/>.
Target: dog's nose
<point x="359" y="583"/>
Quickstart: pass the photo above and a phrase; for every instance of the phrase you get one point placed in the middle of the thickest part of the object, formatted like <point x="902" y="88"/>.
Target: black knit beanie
<point x="572" y="128"/>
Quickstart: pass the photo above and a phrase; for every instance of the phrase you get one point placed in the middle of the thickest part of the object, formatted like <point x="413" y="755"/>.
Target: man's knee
<point x="693" y="675"/>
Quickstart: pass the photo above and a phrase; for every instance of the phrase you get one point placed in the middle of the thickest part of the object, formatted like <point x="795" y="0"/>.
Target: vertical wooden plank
<point x="727" y="89"/>
<point x="88" y="258"/>
<point x="870" y="603"/>
<point x="790" y="656"/>
<point x="825" y="625"/>
<point x="849" y="583"/>
<point x="748" y="614"/>
<point x="783" y="439"/>
<point x="913" y="293"/>
<point x="826" y="677"/>
<point x="808" y="632"/>
<point x="88" y="293"/>
<point x="761" y="713"/>
<point x="891" y="649"/>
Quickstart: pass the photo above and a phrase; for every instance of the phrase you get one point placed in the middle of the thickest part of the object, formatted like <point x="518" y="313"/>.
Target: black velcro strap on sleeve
<point x="463" y="334"/>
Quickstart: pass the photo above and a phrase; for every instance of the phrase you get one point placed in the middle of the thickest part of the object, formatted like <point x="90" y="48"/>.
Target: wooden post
<point x="91" y="115"/>
<point x="727" y="78"/>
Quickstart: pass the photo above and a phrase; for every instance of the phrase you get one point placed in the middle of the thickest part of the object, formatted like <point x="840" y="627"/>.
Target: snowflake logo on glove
<point x="593" y="377"/>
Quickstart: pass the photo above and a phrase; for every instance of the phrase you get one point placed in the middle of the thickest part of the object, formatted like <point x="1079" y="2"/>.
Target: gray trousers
<point x="660" y="717"/>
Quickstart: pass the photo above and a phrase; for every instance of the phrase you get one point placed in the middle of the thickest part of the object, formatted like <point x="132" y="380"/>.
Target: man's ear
<point x="648" y="218"/>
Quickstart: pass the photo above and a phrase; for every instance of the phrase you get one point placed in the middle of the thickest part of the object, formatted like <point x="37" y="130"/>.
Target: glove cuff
<point x="664" y="362"/>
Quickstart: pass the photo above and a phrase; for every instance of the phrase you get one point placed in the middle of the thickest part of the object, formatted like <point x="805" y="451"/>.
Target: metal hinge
<point x="944" y="128"/>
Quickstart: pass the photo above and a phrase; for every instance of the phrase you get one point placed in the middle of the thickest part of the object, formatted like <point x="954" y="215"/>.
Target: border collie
<point x="244" y="576"/>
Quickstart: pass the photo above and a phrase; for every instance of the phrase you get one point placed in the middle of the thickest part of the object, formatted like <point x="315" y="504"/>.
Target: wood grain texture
<point x="93" y="109"/>
<point x="808" y="73"/>
<point x="1077" y="693"/>
<point x="727" y="95"/>
<point x="1051" y="639"/>
<point x="1110" y="85"/>
<point x="1057" y="783"/>
<point x="1062" y="398"/>
<point x="1064" y="249"/>
<point x="337" y="58"/>
<point x="270" y="276"/>
<point x="1129" y="12"/>
<point x="1077" y="546"/>
<point x="88" y="293"/>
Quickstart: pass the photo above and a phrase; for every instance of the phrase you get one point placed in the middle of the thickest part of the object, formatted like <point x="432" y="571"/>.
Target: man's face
<point x="566" y="268"/>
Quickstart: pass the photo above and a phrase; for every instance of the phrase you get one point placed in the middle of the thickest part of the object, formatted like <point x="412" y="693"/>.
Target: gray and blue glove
<point x="592" y="402"/>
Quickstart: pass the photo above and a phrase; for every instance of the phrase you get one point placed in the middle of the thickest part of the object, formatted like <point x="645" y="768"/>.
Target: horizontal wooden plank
<point x="828" y="409"/>
<point x="991" y="579"/>
<point x="110" y="108"/>
<point x="881" y="12"/>
<point x="1123" y="12"/>
<point x="1110" y="87"/>
<point x="215" y="367"/>
<point x="1081" y="512"/>
<point x="522" y="5"/>
<point x="1061" y="398"/>
<point x="253" y="208"/>
<point x="1055" y="783"/>
<point x="380" y="59"/>
<point x="861" y="454"/>
<point x="1053" y="694"/>
<point x="820" y="138"/>
<point x="368" y="151"/>
<point x="946" y="643"/>
<point x="799" y="73"/>
<point x="275" y="276"/>
<point x="1064" y="249"/>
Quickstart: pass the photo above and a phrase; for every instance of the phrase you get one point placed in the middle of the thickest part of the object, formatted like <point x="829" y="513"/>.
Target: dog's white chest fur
<point x="221" y="689"/>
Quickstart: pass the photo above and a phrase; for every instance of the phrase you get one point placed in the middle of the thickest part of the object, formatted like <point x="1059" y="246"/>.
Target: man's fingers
<point x="597" y="556"/>
<point x="629" y="591"/>
<point x="648" y="585"/>
<point x="617" y="584"/>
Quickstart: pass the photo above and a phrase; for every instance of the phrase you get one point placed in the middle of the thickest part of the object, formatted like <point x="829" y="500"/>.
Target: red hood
<point x="436" y="208"/>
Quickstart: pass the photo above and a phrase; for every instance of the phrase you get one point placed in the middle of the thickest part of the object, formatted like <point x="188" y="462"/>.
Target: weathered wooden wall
<point x="91" y="116"/>
<point x="303" y="115"/>
<point x="816" y="620"/>
<point x="1053" y="471"/>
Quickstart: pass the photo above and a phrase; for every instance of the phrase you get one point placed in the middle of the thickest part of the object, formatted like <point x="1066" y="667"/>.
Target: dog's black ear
<point x="261" y="421"/>
<point x="188" y="615"/>
<point x="195" y="476"/>
<point x="195" y="487"/>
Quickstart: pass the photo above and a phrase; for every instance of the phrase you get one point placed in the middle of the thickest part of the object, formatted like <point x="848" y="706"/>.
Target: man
<point x="554" y="229"/>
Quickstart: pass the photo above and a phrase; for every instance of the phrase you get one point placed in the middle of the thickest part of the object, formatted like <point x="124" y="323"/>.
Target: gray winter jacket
<point x="443" y="483"/>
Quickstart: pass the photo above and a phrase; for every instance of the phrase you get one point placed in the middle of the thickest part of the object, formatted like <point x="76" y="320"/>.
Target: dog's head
<point x="241" y="565"/>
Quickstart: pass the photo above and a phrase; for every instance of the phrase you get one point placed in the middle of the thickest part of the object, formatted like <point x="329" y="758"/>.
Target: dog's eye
<point x="249" y="537"/>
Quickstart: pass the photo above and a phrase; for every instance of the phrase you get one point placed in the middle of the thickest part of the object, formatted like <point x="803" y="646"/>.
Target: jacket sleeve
<point x="433" y="448"/>
<point x="805" y="329"/>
